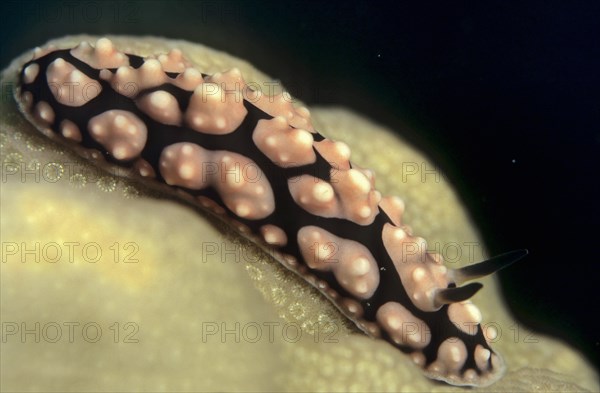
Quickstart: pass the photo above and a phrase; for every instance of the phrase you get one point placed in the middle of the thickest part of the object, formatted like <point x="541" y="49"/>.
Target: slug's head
<point x="436" y="323"/>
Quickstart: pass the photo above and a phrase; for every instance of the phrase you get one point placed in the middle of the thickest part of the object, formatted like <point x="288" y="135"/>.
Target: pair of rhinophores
<point x="257" y="162"/>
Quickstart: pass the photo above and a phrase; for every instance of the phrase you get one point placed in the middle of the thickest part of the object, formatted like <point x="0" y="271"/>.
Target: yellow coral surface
<point x="108" y="286"/>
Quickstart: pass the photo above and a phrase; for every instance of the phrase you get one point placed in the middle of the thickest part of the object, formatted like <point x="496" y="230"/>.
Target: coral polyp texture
<point x="255" y="162"/>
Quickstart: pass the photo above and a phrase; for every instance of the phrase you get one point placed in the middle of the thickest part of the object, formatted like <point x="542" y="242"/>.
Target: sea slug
<point x="256" y="161"/>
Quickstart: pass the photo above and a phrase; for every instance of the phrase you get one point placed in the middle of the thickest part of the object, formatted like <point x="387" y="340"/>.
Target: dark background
<point x="503" y="96"/>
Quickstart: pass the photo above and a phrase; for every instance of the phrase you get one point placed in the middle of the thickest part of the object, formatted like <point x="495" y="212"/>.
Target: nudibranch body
<point x="257" y="162"/>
